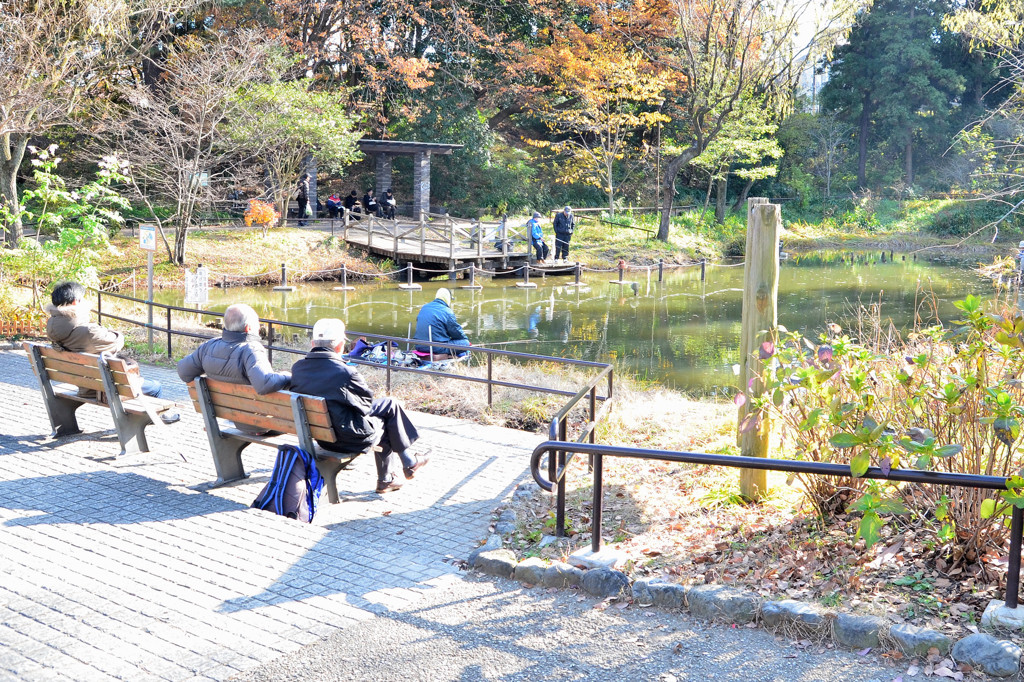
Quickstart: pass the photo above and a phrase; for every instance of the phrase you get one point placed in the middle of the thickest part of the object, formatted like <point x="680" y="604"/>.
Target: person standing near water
<point x="563" y="233"/>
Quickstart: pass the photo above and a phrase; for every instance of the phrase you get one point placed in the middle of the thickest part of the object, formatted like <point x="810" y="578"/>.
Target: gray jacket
<point x="237" y="358"/>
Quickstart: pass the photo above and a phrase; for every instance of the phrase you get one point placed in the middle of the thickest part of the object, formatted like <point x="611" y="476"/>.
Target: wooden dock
<point x="436" y="239"/>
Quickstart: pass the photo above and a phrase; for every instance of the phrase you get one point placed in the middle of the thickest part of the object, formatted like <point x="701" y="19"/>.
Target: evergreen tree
<point x="893" y="83"/>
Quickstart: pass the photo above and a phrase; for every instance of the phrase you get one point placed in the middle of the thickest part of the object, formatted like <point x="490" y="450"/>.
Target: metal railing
<point x="168" y="331"/>
<point x="560" y="454"/>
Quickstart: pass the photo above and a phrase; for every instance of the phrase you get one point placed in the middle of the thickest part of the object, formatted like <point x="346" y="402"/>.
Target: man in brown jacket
<point x="68" y="328"/>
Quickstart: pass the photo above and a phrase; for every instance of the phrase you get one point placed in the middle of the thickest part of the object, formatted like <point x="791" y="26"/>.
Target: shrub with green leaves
<point x="944" y="399"/>
<point x="73" y="225"/>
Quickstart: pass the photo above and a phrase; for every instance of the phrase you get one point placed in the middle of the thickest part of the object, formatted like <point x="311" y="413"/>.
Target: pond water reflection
<point x="683" y="332"/>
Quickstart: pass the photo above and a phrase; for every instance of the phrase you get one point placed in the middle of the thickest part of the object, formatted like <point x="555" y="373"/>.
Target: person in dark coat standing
<point x="436" y="322"/>
<point x="563" y="233"/>
<point x="302" y="197"/>
<point x="356" y="417"/>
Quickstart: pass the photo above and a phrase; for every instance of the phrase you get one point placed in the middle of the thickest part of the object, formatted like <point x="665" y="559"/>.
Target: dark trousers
<point x="302" y="209"/>
<point x="561" y="246"/>
<point x="399" y="433"/>
<point x="541" y="248"/>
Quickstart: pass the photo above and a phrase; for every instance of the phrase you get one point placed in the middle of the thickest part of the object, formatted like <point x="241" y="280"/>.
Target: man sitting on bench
<point x="355" y="415"/>
<point x="436" y="323"/>
<point x="237" y="357"/>
<point x="68" y="328"/>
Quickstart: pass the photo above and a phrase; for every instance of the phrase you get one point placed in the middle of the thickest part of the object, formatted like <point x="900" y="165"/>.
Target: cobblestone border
<point x="729" y="605"/>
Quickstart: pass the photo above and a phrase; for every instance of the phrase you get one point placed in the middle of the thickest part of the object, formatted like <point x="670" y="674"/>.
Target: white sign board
<point x="197" y="286"/>
<point x="147" y="237"/>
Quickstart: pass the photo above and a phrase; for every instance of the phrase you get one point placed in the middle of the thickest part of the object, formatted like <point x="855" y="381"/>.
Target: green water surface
<point x="682" y="332"/>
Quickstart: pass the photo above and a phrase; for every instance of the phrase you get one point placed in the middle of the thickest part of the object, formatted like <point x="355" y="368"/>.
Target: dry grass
<point x="240" y="253"/>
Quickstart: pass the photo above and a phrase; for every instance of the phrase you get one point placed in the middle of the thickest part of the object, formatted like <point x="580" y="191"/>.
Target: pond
<point x="683" y="333"/>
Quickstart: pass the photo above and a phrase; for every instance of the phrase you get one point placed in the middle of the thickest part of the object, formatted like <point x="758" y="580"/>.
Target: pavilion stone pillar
<point x="420" y="184"/>
<point x="383" y="174"/>
<point x="310" y="164"/>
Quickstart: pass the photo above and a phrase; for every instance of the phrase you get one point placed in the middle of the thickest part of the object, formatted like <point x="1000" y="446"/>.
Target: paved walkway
<point x="125" y="569"/>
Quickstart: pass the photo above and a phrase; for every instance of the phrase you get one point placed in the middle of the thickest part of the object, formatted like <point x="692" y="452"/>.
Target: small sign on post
<point x="147" y="242"/>
<point x="197" y="286"/>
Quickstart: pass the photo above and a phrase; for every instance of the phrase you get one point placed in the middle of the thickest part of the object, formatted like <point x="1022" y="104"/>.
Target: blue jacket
<point x="535" y="230"/>
<point x="439" y="319"/>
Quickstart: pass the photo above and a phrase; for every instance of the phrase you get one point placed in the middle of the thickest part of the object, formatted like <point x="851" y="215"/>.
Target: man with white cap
<point x="436" y="323"/>
<point x="356" y="416"/>
<point x="563" y="233"/>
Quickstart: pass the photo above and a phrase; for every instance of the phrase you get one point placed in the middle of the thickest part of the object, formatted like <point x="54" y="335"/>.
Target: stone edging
<point x="722" y="604"/>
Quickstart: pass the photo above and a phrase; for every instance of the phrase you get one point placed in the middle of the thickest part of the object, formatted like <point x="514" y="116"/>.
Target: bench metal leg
<point x="131" y="433"/>
<point x="227" y="460"/>
<point x="62" y="416"/>
<point x="329" y="468"/>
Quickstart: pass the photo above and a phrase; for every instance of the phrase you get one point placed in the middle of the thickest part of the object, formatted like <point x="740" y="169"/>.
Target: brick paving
<point x="130" y="568"/>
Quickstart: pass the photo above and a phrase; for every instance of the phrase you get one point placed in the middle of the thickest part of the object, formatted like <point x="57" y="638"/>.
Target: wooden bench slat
<point x="268" y="409"/>
<point x="75" y="380"/>
<point x="123" y="390"/>
<point x="76" y="368"/>
<point x="311" y="403"/>
<point x="271" y="423"/>
<point x="67" y="356"/>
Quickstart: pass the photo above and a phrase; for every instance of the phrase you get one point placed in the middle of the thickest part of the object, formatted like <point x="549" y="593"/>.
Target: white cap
<point x="445" y="295"/>
<point x="1021" y="245"/>
<point x="329" y="329"/>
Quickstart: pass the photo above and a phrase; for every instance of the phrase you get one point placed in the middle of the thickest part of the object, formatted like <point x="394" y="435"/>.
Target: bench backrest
<point x="241" y="404"/>
<point x="80" y="369"/>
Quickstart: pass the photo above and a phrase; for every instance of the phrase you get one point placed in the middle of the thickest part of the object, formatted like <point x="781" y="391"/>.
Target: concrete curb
<point x="731" y="606"/>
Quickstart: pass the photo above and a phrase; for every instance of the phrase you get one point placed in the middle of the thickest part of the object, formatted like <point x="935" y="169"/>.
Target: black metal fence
<point x="560" y="453"/>
<point x="275" y="333"/>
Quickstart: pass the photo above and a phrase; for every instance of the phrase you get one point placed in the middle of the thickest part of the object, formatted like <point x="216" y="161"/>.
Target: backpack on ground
<point x="294" y="488"/>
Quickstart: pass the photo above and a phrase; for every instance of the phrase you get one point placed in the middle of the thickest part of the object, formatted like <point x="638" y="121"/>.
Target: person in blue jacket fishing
<point x="537" y="237"/>
<point x="436" y="323"/>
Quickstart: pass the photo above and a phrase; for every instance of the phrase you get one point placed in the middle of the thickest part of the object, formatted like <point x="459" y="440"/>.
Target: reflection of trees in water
<point x="683" y="332"/>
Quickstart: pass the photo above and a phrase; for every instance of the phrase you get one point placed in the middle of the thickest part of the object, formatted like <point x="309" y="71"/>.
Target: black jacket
<point x="563" y="224"/>
<point x="324" y="373"/>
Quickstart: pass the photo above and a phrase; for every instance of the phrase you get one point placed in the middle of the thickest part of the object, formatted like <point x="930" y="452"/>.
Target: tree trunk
<point x="720" y="196"/>
<point x="668" y="188"/>
<point x="180" y="235"/>
<point x="862" y="145"/>
<point x="908" y="163"/>
<point x="742" y="198"/>
<point x="11" y="154"/>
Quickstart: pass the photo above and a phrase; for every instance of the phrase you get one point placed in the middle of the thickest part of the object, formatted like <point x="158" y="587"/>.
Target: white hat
<point x="329" y="329"/>
<point x="445" y="295"/>
<point x="1021" y="245"/>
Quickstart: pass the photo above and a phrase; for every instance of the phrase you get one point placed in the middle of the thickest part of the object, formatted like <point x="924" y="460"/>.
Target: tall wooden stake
<point x="760" y="325"/>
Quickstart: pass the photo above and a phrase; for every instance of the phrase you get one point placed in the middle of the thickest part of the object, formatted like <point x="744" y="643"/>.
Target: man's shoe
<point x="388" y="487"/>
<point x="170" y="417"/>
<point x="411" y="471"/>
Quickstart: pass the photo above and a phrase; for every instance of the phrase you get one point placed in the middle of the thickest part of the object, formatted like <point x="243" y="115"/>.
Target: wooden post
<point x="423" y="238"/>
<point x="369" y="231"/>
<point x="760" y="325"/>
<point x="344" y="225"/>
<point x="479" y="238"/>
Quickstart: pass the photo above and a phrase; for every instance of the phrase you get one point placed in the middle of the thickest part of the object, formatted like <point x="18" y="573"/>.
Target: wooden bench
<point x="107" y="377"/>
<point x="283" y="412"/>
